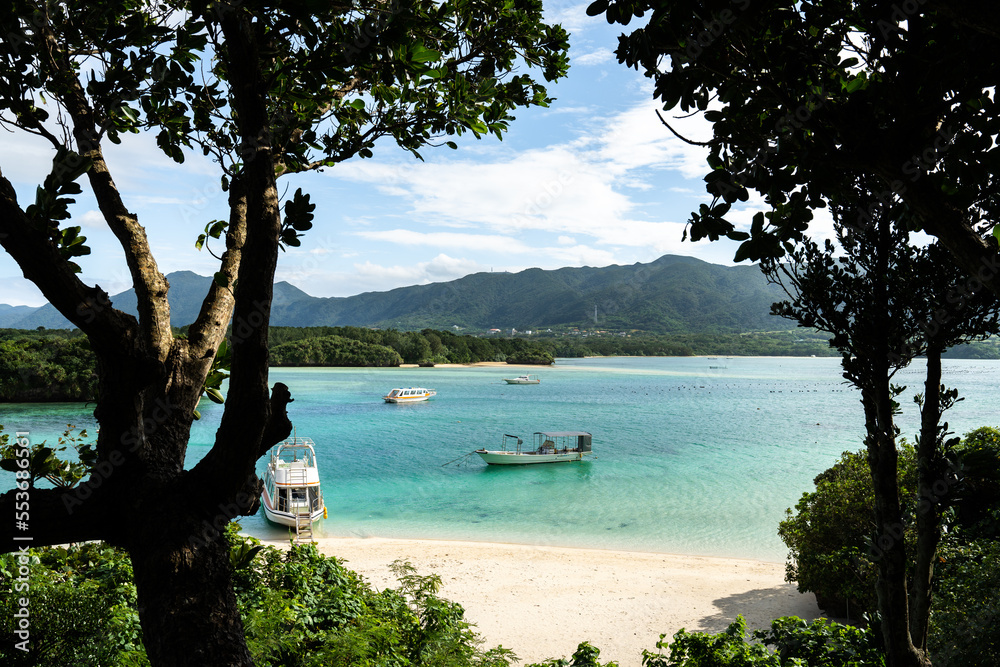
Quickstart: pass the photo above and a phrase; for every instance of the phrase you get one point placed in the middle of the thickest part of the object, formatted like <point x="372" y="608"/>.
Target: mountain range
<point x="673" y="294"/>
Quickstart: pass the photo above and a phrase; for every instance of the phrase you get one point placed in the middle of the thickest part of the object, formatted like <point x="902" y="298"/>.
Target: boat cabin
<point x="406" y="393"/>
<point x="292" y="477"/>
<point x="554" y="442"/>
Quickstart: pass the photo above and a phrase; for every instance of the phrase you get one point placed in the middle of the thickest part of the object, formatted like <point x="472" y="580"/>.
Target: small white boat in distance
<point x="548" y="447"/>
<point x="408" y="395"/>
<point x="292" y="496"/>
<point x="523" y="379"/>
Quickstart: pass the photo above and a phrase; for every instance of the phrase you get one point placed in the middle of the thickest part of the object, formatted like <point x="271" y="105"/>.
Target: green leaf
<point x="857" y="83"/>
<point x="421" y="54"/>
<point x="597" y="7"/>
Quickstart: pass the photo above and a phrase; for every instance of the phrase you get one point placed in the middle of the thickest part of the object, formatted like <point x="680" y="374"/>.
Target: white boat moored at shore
<point x="548" y="447"/>
<point x="408" y="395"/>
<point x="523" y="379"/>
<point x="292" y="496"/>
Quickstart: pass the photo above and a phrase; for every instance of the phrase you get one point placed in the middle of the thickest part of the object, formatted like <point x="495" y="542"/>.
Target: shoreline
<point x="475" y="364"/>
<point x="542" y="601"/>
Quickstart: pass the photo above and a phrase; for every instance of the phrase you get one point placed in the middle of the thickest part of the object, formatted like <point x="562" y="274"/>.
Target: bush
<point x="964" y="631"/>
<point x="794" y="642"/>
<point x="82" y="608"/>
<point x="979" y="453"/>
<point x="827" y="535"/>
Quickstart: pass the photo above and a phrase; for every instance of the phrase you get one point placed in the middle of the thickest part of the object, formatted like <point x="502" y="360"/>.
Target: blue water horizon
<point x="694" y="455"/>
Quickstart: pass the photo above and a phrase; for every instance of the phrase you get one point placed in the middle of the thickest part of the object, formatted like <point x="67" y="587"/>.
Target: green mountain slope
<point x="670" y="295"/>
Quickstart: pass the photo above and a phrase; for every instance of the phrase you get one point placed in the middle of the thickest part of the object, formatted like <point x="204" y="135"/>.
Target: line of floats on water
<point x="547" y="447"/>
<point x="292" y="495"/>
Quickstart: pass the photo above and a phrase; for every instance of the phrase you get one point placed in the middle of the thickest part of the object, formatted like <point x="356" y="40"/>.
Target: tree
<point x="266" y="90"/>
<point x="884" y="303"/>
<point x="810" y="102"/>
<point x="805" y="98"/>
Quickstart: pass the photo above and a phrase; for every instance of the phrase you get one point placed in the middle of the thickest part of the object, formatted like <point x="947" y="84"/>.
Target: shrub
<point x="82" y="608"/>
<point x="793" y="642"/>
<point x="827" y="535"/>
<point x="964" y="631"/>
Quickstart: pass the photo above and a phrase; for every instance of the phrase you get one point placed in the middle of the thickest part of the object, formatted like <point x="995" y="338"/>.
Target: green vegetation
<point x="333" y="351"/>
<point x="832" y="552"/>
<point x="46" y="365"/>
<point x="763" y="344"/>
<point x="792" y="641"/>
<point x="299" y="609"/>
<point x="45" y="462"/>
<point x="332" y="346"/>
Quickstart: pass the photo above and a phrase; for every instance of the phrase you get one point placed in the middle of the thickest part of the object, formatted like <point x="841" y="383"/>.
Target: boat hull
<point x="286" y="518"/>
<point x="499" y="458"/>
<point x="509" y="381"/>
<point x="408" y="399"/>
<point x="408" y="395"/>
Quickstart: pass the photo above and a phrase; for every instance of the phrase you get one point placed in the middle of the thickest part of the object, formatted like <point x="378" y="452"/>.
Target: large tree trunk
<point x="186" y="602"/>
<point x="890" y="551"/>
<point x="931" y="475"/>
<point x="890" y="547"/>
<point x="188" y="578"/>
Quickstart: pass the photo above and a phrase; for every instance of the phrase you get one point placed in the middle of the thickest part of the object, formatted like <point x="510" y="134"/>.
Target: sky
<point x="592" y="180"/>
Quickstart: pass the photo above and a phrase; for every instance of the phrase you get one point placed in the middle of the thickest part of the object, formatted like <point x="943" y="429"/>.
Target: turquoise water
<point x="690" y="458"/>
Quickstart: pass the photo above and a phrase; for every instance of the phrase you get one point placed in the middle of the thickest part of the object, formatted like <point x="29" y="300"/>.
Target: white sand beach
<point x="542" y="601"/>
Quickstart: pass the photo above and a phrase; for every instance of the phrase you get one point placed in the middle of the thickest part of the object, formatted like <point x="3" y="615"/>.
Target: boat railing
<point x="297" y="476"/>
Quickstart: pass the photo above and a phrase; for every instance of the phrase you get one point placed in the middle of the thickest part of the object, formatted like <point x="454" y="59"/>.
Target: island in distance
<point x="673" y="294"/>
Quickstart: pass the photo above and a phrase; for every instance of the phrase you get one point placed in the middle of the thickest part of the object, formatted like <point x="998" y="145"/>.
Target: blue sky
<point x="593" y="180"/>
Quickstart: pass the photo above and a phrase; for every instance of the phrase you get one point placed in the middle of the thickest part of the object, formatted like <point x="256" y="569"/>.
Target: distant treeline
<point x="46" y="365"/>
<point x="58" y="364"/>
<point x="357" y="346"/>
<point x="771" y="344"/>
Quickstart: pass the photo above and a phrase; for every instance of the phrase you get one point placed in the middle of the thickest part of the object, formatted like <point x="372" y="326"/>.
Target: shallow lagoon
<point x="694" y="455"/>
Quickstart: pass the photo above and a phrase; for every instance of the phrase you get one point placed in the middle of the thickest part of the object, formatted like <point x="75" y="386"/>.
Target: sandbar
<point x="542" y="601"/>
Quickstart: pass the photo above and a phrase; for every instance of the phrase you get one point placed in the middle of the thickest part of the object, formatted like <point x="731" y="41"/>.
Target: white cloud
<point x="571" y="110"/>
<point x="91" y="219"/>
<point x="573" y="17"/>
<point x="16" y="291"/>
<point x="492" y="242"/>
<point x="583" y="187"/>
<point x="441" y="268"/>
<point x="598" y="56"/>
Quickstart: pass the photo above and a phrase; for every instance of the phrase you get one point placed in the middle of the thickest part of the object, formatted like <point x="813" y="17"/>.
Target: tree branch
<point x="682" y="138"/>
<point x="56" y="516"/>
<point x="86" y="307"/>
<point x="149" y="284"/>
